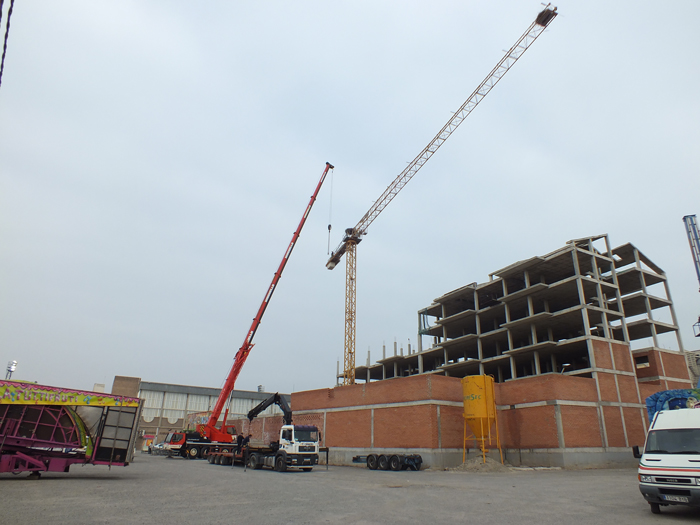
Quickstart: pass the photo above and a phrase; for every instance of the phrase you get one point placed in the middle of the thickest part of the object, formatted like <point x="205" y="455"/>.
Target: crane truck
<point x="198" y="444"/>
<point x="297" y="445"/>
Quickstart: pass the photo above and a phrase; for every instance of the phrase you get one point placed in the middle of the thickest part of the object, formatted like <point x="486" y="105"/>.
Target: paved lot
<point x="159" y="490"/>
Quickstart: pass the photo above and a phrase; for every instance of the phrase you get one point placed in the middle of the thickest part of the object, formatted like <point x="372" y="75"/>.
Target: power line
<point x="7" y="32"/>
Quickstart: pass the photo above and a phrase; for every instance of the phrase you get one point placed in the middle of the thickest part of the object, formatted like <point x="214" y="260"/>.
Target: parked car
<point x="157" y="449"/>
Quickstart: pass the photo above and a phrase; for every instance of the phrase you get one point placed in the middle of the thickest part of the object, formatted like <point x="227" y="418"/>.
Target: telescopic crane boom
<point x="220" y="434"/>
<point x="353" y="236"/>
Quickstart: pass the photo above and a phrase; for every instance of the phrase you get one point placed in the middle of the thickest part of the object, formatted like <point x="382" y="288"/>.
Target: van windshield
<point x="674" y="441"/>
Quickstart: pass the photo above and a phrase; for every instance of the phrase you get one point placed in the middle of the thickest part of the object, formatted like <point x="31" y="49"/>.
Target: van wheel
<point x="655" y="508"/>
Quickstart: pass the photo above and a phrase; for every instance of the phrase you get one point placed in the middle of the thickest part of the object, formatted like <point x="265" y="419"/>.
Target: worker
<point x="239" y="443"/>
<point x="246" y="440"/>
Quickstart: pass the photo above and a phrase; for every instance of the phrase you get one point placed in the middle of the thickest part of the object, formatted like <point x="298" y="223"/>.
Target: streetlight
<point x="11" y="367"/>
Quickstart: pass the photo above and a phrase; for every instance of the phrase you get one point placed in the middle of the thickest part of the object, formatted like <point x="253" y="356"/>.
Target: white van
<point x="669" y="468"/>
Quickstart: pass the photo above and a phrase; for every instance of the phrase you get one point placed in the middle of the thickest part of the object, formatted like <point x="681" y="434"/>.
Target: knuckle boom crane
<point x="353" y="236"/>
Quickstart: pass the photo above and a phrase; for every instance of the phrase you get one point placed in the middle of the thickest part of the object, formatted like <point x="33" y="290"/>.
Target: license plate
<point x="679" y="499"/>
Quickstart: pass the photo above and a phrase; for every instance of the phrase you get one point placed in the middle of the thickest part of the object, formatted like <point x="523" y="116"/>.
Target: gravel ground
<point x="160" y="490"/>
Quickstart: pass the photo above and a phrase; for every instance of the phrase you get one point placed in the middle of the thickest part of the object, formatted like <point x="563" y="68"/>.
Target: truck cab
<point x="298" y="446"/>
<point x="669" y="466"/>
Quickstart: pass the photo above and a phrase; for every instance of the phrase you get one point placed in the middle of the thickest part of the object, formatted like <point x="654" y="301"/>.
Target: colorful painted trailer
<point x="48" y="429"/>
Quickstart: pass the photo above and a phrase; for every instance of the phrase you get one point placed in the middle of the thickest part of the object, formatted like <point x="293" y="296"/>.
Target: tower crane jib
<point x="353" y="236"/>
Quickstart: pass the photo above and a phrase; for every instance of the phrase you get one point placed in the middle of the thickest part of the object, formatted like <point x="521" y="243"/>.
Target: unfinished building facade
<point x="575" y="339"/>
<point x="546" y="315"/>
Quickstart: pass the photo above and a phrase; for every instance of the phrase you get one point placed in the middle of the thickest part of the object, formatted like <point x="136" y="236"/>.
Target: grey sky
<point x="155" y="158"/>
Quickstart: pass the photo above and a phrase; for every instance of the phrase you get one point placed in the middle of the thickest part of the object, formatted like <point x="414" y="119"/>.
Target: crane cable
<point x="330" y="214"/>
<point x="7" y="32"/>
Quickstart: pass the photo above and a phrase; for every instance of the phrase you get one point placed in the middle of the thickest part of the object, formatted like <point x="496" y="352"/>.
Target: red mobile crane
<point x="210" y="430"/>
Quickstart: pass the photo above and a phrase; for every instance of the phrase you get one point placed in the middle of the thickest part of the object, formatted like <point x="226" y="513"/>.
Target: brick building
<point x="575" y="339"/>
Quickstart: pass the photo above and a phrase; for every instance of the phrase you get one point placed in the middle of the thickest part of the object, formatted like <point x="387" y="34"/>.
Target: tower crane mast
<point x="691" y="228"/>
<point x="210" y="430"/>
<point x="353" y="236"/>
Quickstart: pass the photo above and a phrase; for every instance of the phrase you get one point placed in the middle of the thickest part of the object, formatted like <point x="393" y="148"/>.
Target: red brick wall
<point x="531" y="427"/>
<point x="581" y="427"/>
<point x="406" y="427"/>
<point x="608" y="388"/>
<point x="628" y="389"/>
<point x="349" y="428"/>
<point x="675" y="365"/>
<point x="544" y="388"/>
<point x="613" y="427"/>
<point x="635" y="420"/>
<point x="622" y="357"/>
<point x="601" y="354"/>
<point x="452" y="426"/>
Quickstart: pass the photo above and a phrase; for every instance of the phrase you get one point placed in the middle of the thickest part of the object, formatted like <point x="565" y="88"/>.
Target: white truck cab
<point x="299" y="443"/>
<point x="669" y="467"/>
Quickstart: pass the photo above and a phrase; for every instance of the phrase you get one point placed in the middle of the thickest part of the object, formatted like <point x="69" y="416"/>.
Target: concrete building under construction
<point x="575" y="339"/>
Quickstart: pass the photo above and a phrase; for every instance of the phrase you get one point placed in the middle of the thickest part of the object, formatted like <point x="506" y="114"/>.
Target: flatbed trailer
<point x="257" y="457"/>
<point x="390" y="461"/>
<point x="49" y="429"/>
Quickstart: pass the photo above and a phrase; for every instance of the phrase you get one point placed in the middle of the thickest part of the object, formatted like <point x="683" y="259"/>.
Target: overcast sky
<point x="156" y="157"/>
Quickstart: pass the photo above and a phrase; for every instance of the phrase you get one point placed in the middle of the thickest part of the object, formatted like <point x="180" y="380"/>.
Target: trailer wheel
<point x="655" y="508"/>
<point x="372" y="462"/>
<point x="211" y="458"/>
<point x="280" y="463"/>
<point x="383" y="462"/>
<point x="394" y="463"/>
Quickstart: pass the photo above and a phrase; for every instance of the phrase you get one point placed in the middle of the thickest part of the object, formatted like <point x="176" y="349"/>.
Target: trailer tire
<point x="280" y="463"/>
<point x="395" y="462"/>
<point x="211" y="458"/>
<point x="225" y="460"/>
<point x="383" y="462"/>
<point x="372" y="462"/>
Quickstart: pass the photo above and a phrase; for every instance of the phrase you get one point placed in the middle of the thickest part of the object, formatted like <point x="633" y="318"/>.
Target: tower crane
<point x="691" y="228"/>
<point x="209" y="430"/>
<point x="353" y="236"/>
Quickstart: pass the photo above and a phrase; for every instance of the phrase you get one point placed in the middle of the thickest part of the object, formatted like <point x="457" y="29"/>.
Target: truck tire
<point x="372" y="462"/>
<point x="205" y="452"/>
<point x="395" y="462"/>
<point x="193" y="452"/>
<point x="655" y="508"/>
<point x="253" y="461"/>
<point x="280" y="463"/>
<point x="383" y="462"/>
